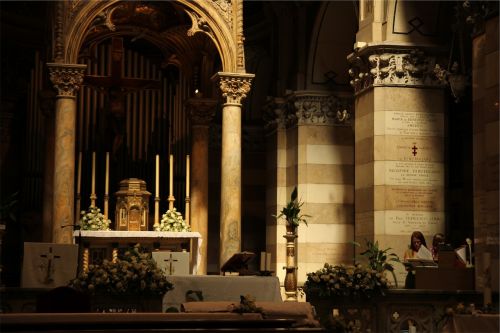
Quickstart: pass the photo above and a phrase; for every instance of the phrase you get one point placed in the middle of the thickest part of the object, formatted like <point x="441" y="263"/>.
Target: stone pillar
<point x="234" y="87"/>
<point x="275" y="115"/>
<point x="486" y="154"/>
<point x="399" y="146"/>
<point x="67" y="79"/>
<point x="201" y="112"/>
<point x="47" y="105"/>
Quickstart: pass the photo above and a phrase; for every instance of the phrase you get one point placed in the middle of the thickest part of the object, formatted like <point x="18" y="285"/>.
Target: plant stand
<point x="291" y="269"/>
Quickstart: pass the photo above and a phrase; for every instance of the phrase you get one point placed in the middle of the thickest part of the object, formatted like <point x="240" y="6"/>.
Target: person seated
<point x="437" y="241"/>
<point x="417" y="250"/>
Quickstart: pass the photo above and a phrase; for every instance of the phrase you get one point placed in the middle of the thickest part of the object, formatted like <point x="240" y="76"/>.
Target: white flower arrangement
<point x="172" y="221"/>
<point x="93" y="219"/>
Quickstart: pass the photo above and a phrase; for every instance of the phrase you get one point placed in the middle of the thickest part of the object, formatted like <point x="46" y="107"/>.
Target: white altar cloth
<point x="143" y="237"/>
<point x="222" y="288"/>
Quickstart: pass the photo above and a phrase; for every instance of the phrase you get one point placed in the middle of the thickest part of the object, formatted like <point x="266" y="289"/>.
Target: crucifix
<point x="116" y="87"/>
<point x="49" y="256"/>
<point x="414" y="148"/>
<point x="170" y="262"/>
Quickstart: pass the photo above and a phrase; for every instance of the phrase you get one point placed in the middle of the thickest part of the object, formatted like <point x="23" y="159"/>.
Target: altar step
<point x="145" y="322"/>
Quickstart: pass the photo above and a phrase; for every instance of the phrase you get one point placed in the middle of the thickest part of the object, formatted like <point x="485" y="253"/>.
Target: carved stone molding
<point x="380" y="66"/>
<point x="275" y="113"/>
<point x="201" y="110"/>
<point x="311" y="108"/>
<point x="66" y="78"/>
<point x="234" y="87"/>
<point x="225" y="9"/>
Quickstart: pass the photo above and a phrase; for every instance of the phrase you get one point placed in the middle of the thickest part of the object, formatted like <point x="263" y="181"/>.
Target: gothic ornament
<point x="66" y="78"/>
<point x="275" y="114"/>
<point x="401" y="68"/>
<point x="201" y="110"/>
<point x="235" y="87"/>
<point x="321" y="110"/>
<point x="225" y="9"/>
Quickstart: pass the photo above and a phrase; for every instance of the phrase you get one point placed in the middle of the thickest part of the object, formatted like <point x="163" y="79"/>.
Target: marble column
<point x="201" y="112"/>
<point x="234" y="87"/>
<point x="67" y="79"/>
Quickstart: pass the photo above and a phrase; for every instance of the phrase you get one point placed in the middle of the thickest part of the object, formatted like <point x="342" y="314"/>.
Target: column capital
<point x="320" y="108"/>
<point x="274" y="113"/>
<point x="201" y="110"/>
<point x="66" y="78"/>
<point x="234" y="86"/>
<point x="395" y="65"/>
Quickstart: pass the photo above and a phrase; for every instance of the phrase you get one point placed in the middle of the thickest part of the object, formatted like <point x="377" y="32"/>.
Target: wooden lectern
<point x="238" y="263"/>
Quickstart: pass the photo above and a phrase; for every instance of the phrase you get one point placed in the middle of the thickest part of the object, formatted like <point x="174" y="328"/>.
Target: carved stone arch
<point x="225" y="32"/>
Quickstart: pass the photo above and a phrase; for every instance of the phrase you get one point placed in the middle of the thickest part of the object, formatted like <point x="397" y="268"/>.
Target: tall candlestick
<point x="157" y="177"/>
<point x="93" y="172"/>
<point x="93" y="196"/>
<point x="106" y="184"/>
<point x="171" y="176"/>
<point x="187" y="176"/>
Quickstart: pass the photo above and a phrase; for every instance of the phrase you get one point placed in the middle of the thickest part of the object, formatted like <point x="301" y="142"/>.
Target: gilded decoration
<point x="402" y="67"/>
<point x="225" y="9"/>
<point x="234" y="87"/>
<point x="66" y="78"/>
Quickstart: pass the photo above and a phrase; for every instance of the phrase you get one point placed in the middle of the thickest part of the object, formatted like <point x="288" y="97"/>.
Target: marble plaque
<point x="172" y="263"/>
<point x="48" y="265"/>
<point x="406" y="222"/>
<point x="414" y="123"/>
<point x="414" y="173"/>
<point x="414" y="198"/>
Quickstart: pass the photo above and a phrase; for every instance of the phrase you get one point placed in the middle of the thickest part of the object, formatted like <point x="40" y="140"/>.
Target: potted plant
<point x="131" y="283"/>
<point x="380" y="260"/>
<point x="172" y="221"/>
<point x="93" y="219"/>
<point x="291" y="213"/>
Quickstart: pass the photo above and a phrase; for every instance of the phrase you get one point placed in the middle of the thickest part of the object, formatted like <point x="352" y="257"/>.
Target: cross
<point x="116" y="87"/>
<point x="414" y="150"/>
<point x="49" y="256"/>
<point x="171" y="263"/>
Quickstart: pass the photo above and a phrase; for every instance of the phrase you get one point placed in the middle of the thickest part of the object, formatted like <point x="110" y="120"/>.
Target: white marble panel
<point x="330" y="154"/>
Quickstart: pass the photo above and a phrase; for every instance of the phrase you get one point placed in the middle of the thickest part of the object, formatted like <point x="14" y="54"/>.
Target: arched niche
<point x="72" y="25"/>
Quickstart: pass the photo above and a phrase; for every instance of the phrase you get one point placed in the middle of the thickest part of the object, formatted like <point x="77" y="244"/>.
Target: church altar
<point x="156" y="240"/>
<point x="221" y="288"/>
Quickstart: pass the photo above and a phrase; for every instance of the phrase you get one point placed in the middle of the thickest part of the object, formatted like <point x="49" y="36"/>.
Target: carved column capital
<point x="66" y="78"/>
<point x="234" y="86"/>
<point x="311" y="108"/>
<point x="201" y="110"/>
<point x="275" y="113"/>
<point x="383" y="65"/>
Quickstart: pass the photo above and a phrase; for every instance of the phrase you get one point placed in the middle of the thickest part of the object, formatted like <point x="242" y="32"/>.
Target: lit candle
<point x="106" y="184"/>
<point x="187" y="176"/>
<point x="93" y="172"/>
<point x="171" y="178"/>
<point x="79" y="177"/>
<point x="262" y="261"/>
<point x="157" y="178"/>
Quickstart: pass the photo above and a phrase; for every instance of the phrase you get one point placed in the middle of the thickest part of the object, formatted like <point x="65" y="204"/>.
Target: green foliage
<point x="172" y="221"/>
<point x="345" y="280"/>
<point x="291" y="212"/>
<point x="93" y="219"/>
<point x="378" y="259"/>
<point x="135" y="272"/>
